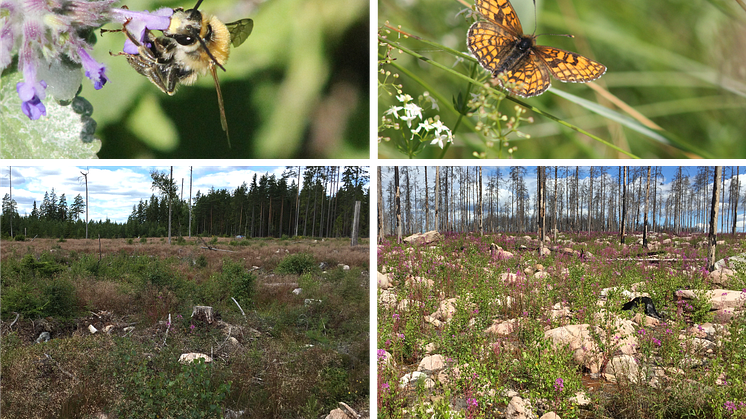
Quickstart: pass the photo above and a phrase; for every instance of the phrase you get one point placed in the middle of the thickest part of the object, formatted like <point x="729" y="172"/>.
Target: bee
<point x="193" y="44"/>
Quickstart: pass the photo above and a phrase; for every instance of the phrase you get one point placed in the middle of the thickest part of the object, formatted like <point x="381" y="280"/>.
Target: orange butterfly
<point x="501" y="47"/>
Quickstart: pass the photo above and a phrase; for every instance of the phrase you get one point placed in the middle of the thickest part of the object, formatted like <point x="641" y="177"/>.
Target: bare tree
<point x="554" y="229"/>
<point x="427" y="208"/>
<point x="481" y="205"/>
<point x="85" y="176"/>
<point x="623" y="222"/>
<point x="398" y="205"/>
<point x="645" y="223"/>
<point x="437" y="191"/>
<point x="736" y="188"/>
<point x="380" y="206"/>
<point x="540" y="184"/>
<point x="712" y="237"/>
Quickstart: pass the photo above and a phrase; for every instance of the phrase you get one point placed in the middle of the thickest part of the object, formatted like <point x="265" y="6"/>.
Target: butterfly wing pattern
<point x="501" y="47"/>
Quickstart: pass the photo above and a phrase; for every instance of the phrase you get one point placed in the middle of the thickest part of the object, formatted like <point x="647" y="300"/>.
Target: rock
<point x="544" y="251"/>
<point x="387" y="299"/>
<point x="43" y="337"/>
<point x="541" y="275"/>
<point x="233" y="414"/>
<point x="347" y="409"/>
<point x="559" y="311"/>
<point x="108" y="328"/>
<point x="297" y="291"/>
<point x="550" y="415"/>
<point x="445" y="312"/>
<point x="337" y="414"/>
<point x="192" y="356"/>
<point x="431" y="347"/>
<point x="580" y="399"/>
<point x="502" y="328"/>
<point x="423" y="238"/>
<point x="622" y="368"/>
<point x="204" y="313"/>
<point x="508" y="277"/>
<point x="719" y="299"/>
<point x="92" y="329"/>
<point x="519" y="409"/>
<point x="431" y="364"/>
<point x="578" y="339"/>
<point x="416" y="281"/>
<point x="647" y="321"/>
<point x="310" y="301"/>
<point x="384" y="281"/>
<point x="343" y="266"/>
<point x="413" y="377"/>
<point x="721" y="276"/>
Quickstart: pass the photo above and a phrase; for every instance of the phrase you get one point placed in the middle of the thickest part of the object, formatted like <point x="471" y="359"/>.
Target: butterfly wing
<point x="500" y="12"/>
<point x="490" y="43"/>
<point x="568" y="66"/>
<point x="530" y="77"/>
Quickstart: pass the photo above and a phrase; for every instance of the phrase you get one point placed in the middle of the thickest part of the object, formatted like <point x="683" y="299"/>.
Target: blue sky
<point x="113" y="190"/>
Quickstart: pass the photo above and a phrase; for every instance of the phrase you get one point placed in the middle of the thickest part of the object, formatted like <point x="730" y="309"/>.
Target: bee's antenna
<point x="212" y="57"/>
<point x="200" y="2"/>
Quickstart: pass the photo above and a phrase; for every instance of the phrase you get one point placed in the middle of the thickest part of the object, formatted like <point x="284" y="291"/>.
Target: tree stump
<point x="203" y="313"/>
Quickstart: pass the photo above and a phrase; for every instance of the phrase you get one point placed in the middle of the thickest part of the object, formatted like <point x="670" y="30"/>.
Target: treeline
<point x="591" y="198"/>
<point x="268" y="206"/>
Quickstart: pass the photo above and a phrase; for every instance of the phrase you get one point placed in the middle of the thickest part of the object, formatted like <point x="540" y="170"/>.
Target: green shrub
<point x="130" y="241"/>
<point x="240" y="282"/>
<point x="201" y="261"/>
<point x="179" y="391"/>
<point x="143" y="240"/>
<point x="298" y="264"/>
<point x="60" y="299"/>
<point x="23" y="299"/>
<point x="20" y="238"/>
<point x="46" y="269"/>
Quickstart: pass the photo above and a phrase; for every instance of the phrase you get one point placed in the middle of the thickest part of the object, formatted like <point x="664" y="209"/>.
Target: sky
<point x="113" y="190"/>
<point x="504" y="193"/>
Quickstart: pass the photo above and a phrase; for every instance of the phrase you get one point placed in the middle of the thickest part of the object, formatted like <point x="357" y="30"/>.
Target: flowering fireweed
<point x="53" y="40"/>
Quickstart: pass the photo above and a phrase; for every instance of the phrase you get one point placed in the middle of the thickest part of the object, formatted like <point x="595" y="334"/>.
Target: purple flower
<point x="471" y="403"/>
<point x="381" y="355"/>
<point x="385" y="386"/>
<point x="395" y="316"/>
<point x="730" y="406"/>
<point x="559" y="385"/>
<point x="93" y="70"/>
<point x="138" y="22"/>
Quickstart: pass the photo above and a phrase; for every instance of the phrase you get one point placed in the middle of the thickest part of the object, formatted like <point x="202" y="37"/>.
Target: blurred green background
<point x="681" y="64"/>
<point x="297" y="88"/>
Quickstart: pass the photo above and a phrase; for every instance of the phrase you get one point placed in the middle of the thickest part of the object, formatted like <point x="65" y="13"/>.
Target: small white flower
<point x="411" y="112"/>
<point x="394" y="110"/>
<point x="442" y="133"/>
<point x="405" y="98"/>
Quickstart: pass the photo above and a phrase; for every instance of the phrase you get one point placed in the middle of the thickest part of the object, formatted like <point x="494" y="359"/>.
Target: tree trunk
<point x="737" y="191"/>
<point x="437" y="191"/>
<point x="645" y="223"/>
<point x="712" y="237"/>
<point x="623" y="222"/>
<point x="397" y="204"/>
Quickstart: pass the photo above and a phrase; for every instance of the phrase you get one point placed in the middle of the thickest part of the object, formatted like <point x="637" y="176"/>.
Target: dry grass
<point x="276" y="374"/>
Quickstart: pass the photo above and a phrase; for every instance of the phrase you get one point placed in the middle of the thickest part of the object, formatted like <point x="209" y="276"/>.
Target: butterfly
<point x="501" y="47"/>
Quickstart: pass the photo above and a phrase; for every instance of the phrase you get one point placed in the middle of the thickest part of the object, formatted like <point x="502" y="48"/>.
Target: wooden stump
<point x="203" y="313"/>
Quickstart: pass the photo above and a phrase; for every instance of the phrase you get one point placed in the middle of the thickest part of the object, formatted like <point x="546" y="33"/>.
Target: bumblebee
<point x="193" y="44"/>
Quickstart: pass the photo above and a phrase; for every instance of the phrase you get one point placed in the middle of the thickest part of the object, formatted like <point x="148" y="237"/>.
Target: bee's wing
<point x="240" y="30"/>
<point x="223" y="120"/>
